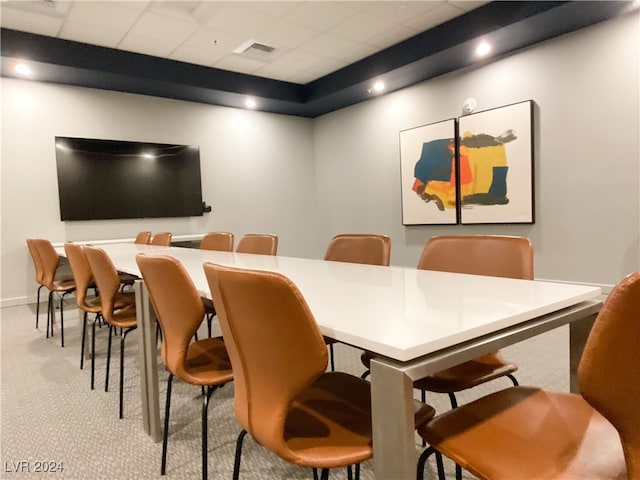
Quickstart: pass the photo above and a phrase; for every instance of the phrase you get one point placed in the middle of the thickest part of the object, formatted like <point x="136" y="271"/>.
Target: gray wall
<point x="586" y="89"/>
<point x="257" y="169"/>
<point x="306" y="180"/>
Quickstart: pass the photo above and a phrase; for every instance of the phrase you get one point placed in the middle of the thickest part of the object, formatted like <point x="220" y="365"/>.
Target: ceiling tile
<point x="392" y="36"/>
<point x="79" y="32"/>
<point x="328" y="45"/>
<point x="361" y="27"/>
<point x="104" y="14"/>
<point x="320" y="16"/>
<point x="149" y="46"/>
<point x="274" y="9"/>
<point x="30" y="22"/>
<point x="218" y="42"/>
<point x="233" y="17"/>
<point x="286" y="35"/>
<point x="196" y="55"/>
<point x="399" y="12"/>
<point x="164" y="28"/>
<point x="236" y="63"/>
<point x="437" y="16"/>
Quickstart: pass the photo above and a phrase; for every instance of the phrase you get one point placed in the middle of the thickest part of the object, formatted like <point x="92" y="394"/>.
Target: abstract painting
<point x="428" y="174"/>
<point x="495" y="155"/>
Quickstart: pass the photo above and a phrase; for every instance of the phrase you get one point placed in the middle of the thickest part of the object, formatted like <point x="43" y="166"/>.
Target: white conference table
<point x="418" y="322"/>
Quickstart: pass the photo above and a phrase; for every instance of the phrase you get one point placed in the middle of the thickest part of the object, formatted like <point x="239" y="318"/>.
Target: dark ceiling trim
<point x="508" y="25"/>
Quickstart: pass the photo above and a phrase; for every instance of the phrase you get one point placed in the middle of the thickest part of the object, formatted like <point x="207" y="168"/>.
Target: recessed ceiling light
<point x="23" y="69"/>
<point x="377" y="87"/>
<point x="483" y="49"/>
<point x="250" y="103"/>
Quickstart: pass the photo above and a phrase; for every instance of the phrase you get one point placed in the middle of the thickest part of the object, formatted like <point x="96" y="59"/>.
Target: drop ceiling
<point x="302" y="58"/>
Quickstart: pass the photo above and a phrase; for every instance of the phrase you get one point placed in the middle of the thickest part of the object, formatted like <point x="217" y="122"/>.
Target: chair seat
<point x="94" y="305"/>
<point x="526" y="432"/>
<point x="329" y="424"/>
<point x="127" y="278"/>
<point x="207" y="363"/>
<point x="466" y="375"/>
<point x="63" y="285"/>
<point x="460" y="377"/>
<point x="125" y="317"/>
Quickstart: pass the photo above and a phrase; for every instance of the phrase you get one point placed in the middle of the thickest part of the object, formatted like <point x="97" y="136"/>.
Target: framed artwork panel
<point x="495" y="155"/>
<point x="428" y="174"/>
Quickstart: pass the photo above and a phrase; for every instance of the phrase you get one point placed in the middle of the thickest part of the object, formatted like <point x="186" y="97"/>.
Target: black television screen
<point x="111" y="179"/>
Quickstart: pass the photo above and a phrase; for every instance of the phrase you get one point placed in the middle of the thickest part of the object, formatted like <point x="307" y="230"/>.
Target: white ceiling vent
<point x="256" y="50"/>
<point x="51" y="8"/>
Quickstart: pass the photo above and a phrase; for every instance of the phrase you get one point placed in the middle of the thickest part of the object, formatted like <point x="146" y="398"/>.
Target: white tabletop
<point x="401" y="313"/>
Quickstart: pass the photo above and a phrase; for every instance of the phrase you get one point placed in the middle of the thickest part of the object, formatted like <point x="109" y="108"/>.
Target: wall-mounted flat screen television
<point x="113" y="179"/>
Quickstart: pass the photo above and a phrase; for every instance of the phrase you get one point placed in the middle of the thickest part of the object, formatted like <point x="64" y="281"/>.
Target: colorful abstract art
<point x="428" y="174"/>
<point x="495" y="154"/>
<point x="476" y="169"/>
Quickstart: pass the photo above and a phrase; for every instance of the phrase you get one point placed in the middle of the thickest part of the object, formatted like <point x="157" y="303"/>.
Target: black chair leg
<point x="38" y="305"/>
<point x="422" y="460"/>
<point x="123" y="336"/>
<point x="365" y="374"/>
<point x="236" y="462"/>
<point x="62" y="319"/>
<point x="106" y="377"/>
<point x="324" y="474"/>
<point x="93" y="353"/>
<point x="49" y="315"/>
<point x="453" y="400"/>
<point x="350" y="475"/>
<point x="205" y="448"/>
<point x="84" y="335"/>
<point x="165" y="433"/>
<point x="458" y="472"/>
<point x="333" y="367"/>
<point x="514" y="380"/>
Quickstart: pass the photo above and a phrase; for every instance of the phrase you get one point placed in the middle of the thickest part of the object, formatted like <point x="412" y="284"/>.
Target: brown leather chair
<point x="39" y="274"/>
<point x="143" y="238"/>
<point x="84" y="281"/>
<point x="492" y="255"/>
<point x="363" y="248"/>
<point x="162" y="239"/>
<point x="179" y="310"/>
<point x="220" y="241"/>
<point x="50" y="260"/>
<point x="260" y="243"/>
<point x="124" y="318"/>
<point x="527" y="432"/>
<point x="284" y="398"/>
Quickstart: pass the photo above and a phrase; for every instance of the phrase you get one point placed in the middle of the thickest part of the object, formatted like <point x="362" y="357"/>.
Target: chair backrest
<point x="260" y="243"/>
<point x="177" y="304"/>
<point x="106" y="278"/>
<point x="366" y="248"/>
<point x="609" y="370"/>
<point x="37" y="264"/>
<point x="81" y="270"/>
<point x="49" y="260"/>
<point x="221" y="241"/>
<point x="143" y="238"/>
<point x="493" y="255"/>
<point x="274" y="345"/>
<point x="162" y="239"/>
